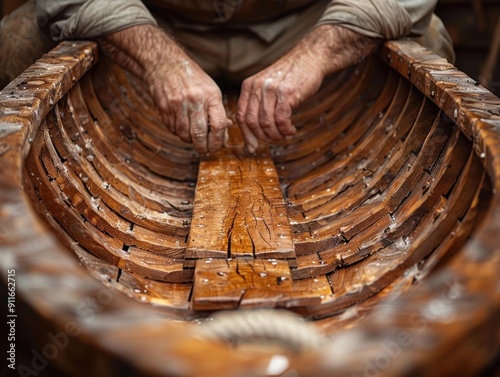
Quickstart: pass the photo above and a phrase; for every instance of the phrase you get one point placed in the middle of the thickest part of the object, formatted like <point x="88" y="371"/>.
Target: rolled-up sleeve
<point x="387" y="19"/>
<point x="80" y="19"/>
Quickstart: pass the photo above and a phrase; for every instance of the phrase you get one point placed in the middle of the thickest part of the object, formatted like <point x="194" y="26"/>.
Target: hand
<point x="189" y="101"/>
<point x="268" y="98"/>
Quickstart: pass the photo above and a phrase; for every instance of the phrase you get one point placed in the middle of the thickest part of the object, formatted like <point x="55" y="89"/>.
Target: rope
<point x="263" y="326"/>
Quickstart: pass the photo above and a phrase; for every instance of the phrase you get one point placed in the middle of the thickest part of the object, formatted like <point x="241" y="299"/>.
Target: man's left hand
<point x="268" y="98"/>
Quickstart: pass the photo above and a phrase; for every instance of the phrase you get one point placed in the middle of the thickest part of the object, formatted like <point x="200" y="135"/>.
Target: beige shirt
<point x="79" y="19"/>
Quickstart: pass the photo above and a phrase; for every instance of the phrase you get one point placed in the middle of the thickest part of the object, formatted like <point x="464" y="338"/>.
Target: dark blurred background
<point x="474" y="26"/>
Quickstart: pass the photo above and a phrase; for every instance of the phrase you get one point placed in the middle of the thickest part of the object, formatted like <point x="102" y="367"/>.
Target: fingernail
<point x="249" y="148"/>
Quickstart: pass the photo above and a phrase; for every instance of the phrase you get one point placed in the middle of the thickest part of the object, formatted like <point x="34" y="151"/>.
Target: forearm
<point x="188" y="100"/>
<point x="143" y="49"/>
<point x="268" y="98"/>
<point x="333" y="47"/>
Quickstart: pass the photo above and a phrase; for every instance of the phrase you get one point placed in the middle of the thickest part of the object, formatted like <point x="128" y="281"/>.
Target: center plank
<point x="239" y="210"/>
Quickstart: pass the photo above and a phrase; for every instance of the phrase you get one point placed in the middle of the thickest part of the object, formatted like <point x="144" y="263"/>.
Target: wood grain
<point x="391" y="185"/>
<point x="239" y="210"/>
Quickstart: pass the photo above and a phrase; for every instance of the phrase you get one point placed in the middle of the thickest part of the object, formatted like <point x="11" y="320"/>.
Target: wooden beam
<point x="239" y="210"/>
<point x="247" y="283"/>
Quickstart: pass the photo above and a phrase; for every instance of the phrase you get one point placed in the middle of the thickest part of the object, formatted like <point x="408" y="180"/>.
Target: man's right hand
<point x="189" y="101"/>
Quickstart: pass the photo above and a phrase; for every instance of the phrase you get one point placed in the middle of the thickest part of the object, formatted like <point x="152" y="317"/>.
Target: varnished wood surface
<point x="239" y="210"/>
<point x="246" y="283"/>
<point x="390" y="191"/>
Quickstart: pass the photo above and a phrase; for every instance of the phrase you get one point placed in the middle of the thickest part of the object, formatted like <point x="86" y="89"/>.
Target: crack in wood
<point x="238" y="196"/>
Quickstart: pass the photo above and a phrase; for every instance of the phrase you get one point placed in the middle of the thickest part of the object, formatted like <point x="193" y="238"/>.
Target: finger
<point x="241" y="106"/>
<point x="267" y="110"/>
<point x="169" y="121"/>
<point x="181" y="125"/>
<point x="282" y="116"/>
<point x="247" y="112"/>
<point x="218" y="122"/>
<point x="251" y="141"/>
<point x="198" y="129"/>
<point x="252" y="119"/>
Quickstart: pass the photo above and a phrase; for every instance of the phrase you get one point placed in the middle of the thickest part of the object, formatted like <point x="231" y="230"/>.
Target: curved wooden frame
<point x="448" y="324"/>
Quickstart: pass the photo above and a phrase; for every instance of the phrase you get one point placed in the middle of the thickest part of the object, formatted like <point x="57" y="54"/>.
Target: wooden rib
<point x="173" y="297"/>
<point x="109" y="239"/>
<point x="400" y="189"/>
<point x="69" y="220"/>
<point x="374" y="264"/>
<point x="100" y="133"/>
<point x="394" y="172"/>
<point x="338" y="131"/>
<point x="134" y="118"/>
<point x="155" y="267"/>
<point x="130" y="208"/>
<point x="319" y="125"/>
<point x="381" y="174"/>
<point x="359" y="176"/>
<point x="364" y="279"/>
<point x="89" y="141"/>
<point x="405" y="218"/>
<point x="334" y="86"/>
<point x="111" y="236"/>
<point x="102" y="137"/>
<point x="80" y="179"/>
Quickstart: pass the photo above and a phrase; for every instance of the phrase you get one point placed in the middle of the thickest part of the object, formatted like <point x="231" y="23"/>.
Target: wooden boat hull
<point x="390" y="244"/>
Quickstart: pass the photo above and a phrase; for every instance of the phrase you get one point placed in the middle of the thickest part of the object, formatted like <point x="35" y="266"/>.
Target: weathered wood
<point x="331" y="137"/>
<point x="225" y="284"/>
<point x="393" y="208"/>
<point x="246" y="283"/>
<point x="239" y="210"/>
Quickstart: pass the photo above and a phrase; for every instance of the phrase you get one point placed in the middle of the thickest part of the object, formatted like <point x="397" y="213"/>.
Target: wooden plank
<point x="221" y="284"/>
<point x="324" y="123"/>
<point x="245" y="283"/>
<point x="239" y="210"/>
<point x="358" y="175"/>
<point x="155" y="267"/>
<point x="358" y="123"/>
<point x="114" y="164"/>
